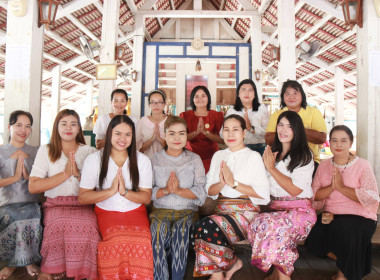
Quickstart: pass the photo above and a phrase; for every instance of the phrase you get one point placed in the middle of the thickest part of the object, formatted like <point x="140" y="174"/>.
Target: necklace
<point x="349" y="155"/>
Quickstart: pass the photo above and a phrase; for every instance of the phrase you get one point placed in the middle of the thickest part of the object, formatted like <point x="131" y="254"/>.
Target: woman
<point x="70" y="235"/>
<point x="203" y="125"/>
<point x="178" y="190"/>
<point x="274" y="235"/>
<point x="237" y="175"/>
<point x="119" y="101"/>
<point x="347" y="188"/>
<point x="150" y="129"/>
<point x="20" y="214"/>
<point x="118" y="179"/>
<point x="256" y="115"/>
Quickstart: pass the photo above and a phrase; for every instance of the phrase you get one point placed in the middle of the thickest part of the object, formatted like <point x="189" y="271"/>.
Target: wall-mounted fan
<point x="88" y="47"/>
<point x="306" y="51"/>
<point x="272" y="74"/>
<point x="125" y="74"/>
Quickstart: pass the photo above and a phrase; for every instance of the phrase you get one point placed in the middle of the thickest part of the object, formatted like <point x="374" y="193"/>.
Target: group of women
<point x="96" y="224"/>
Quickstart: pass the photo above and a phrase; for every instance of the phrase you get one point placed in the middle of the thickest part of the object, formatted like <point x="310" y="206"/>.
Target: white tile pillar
<point x="55" y="93"/>
<point x="339" y="96"/>
<point x="89" y="96"/>
<point x="256" y="53"/>
<point x="138" y="45"/>
<point x="110" y="26"/>
<point x="286" y="40"/>
<point x="368" y="96"/>
<point x="23" y="68"/>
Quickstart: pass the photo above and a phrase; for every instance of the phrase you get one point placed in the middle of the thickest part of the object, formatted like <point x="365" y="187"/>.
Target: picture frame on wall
<point x="106" y="72"/>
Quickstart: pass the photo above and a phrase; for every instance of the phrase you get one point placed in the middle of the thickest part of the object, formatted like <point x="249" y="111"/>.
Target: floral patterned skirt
<point x="274" y="236"/>
<point x="214" y="236"/>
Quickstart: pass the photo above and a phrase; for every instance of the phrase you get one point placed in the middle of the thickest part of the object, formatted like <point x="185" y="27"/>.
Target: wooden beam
<point x="264" y="6"/>
<point x="313" y="29"/>
<point x="195" y="14"/>
<point x="71" y="7"/>
<point x="132" y="6"/>
<point x="247" y="5"/>
<point x="148" y="5"/>
<point x="326" y="7"/>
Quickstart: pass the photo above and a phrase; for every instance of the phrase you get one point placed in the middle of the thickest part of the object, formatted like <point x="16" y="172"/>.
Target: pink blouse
<point x="357" y="174"/>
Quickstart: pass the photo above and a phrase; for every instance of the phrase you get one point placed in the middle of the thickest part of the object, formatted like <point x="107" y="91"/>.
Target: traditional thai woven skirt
<point x="70" y="238"/>
<point x="20" y="234"/>
<point x="215" y="235"/>
<point x="274" y="236"/>
<point x="125" y="251"/>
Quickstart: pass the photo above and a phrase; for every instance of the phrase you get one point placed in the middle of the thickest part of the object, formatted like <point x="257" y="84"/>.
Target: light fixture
<point x="198" y="66"/>
<point x="19" y="7"/>
<point x="119" y="53"/>
<point x="48" y="10"/>
<point x="257" y="75"/>
<point x="353" y="12"/>
<point x="377" y="7"/>
<point x="134" y="76"/>
<point x="275" y="53"/>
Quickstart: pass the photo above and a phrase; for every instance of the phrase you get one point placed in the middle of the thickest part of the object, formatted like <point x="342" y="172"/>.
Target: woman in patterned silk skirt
<point x="70" y="236"/>
<point x="20" y="213"/>
<point x="237" y="175"/>
<point x="178" y="191"/>
<point x="118" y="179"/>
<point x="274" y="235"/>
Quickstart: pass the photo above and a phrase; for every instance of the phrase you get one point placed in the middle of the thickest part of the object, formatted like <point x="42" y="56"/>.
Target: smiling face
<point x="156" y="103"/>
<point x="200" y="98"/>
<point x="340" y="143"/>
<point x="121" y="137"/>
<point x="176" y="137"/>
<point x="68" y="128"/>
<point x="233" y="134"/>
<point x="246" y="94"/>
<point x="119" y="102"/>
<point x="293" y="99"/>
<point x="284" y="131"/>
<point x="20" y="130"/>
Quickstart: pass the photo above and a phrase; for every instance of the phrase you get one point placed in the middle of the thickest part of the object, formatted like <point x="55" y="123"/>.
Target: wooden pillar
<point x="339" y="96"/>
<point x="138" y="45"/>
<point x="256" y="53"/>
<point x="286" y="39"/>
<point x="110" y="26"/>
<point x="55" y="93"/>
<point x="24" y="68"/>
<point x="89" y="96"/>
<point x="368" y="96"/>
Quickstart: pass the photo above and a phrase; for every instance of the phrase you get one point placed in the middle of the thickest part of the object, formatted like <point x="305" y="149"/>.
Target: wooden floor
<point x="307" y="267"/>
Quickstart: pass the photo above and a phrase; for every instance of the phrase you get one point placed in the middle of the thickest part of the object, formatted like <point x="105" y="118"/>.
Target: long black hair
<point x="294" y="85"/>
<point x="132" y="154"/>
<point x="300" y="154"/>
<point x="255" y="102"/>
<point x="194" y="91"/>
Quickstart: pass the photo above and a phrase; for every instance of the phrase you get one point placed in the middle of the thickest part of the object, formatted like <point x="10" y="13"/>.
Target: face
<point x="20" y="130"/>
<point x="284" y="131"/>
<point x="233" y="133"/>
<point x="121" y="137"/>
<point x="246" y="94"/>
<point x="119" y="102"/>
<point x="200" y="98"/>
<point x="293" y="98"/>
<point x="340" y="143"/>
<point x="176" y="136"/>
<point x="156" y="103"/>
<point x="68" y="128"/>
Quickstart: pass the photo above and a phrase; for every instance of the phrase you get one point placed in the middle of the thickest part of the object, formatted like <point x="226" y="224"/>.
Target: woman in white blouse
<point x="118" y="179"/>
<point x="119" y="101"/>
<point x="274" y="235"/>
<point x="256" y="115"/>
<point x="150" y="129"/>
<point x="237" y="178"/>
<point x="70" y="236"/>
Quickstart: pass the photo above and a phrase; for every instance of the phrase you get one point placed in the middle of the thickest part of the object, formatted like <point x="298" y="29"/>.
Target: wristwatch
<point x="236" y="184"/>
<point x="126" y="191"/>
<point x="252" y="128"/>
<point x="165" y="192"/>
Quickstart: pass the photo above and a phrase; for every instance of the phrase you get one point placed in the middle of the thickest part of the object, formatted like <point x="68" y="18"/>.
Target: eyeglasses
<point x="159" y="103"/>
<point x="281" y="125"/>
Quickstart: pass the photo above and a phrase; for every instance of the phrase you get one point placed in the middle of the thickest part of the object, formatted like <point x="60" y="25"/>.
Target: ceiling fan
<point x="88" y="47"/>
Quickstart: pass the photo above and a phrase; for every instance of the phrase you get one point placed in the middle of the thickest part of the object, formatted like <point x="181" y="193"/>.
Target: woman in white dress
<point x="150" y="129"/>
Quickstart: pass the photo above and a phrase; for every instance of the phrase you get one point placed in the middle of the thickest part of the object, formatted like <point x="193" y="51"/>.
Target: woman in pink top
<point x="346" y="186"/>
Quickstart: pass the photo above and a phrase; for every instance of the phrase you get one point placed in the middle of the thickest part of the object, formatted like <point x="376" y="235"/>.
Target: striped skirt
<point x="215" y="235"/>
<point x="125" y="251"/>
<point x="70" y="238"/>
<point x="20" y="234"/>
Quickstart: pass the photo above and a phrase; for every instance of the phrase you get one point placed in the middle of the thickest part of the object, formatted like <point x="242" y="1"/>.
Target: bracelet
<point x="64" y="173"/>
<point x="126" y="191"/>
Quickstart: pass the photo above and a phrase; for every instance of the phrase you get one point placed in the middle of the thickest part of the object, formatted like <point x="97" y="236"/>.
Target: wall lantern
<point x="353" y="12"/>
<point x="48" y="10"/>
<point x="257" y="75"/>
<point x="119" y="53"/>
<point x="134" y="76"/>
<point x="198" y="66"/>
<point x="377" y="7"/>
<point x="275" y="53"/>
